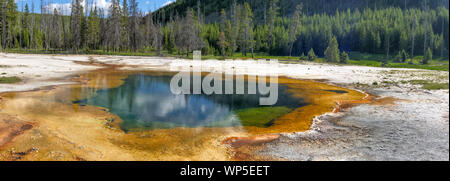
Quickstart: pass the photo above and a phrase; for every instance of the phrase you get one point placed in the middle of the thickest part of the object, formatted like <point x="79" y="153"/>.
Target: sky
<point x="144" y="5"/>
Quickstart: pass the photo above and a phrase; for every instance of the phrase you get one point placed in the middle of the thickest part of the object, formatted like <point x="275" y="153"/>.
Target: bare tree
<point x="198" y="42"/>
<point x="199" y="15"/>
<point x="178" y="33"/>
<point x="157" y="38"/>
<point x="124" y="29"/>
<point x="75" y="24"/>
<point x="442" y="32"/>
<point x="134" y="25"/>
<point x="293" y="29"/>
<point x="55" y="36"/>
<point x="93" y="29"/>
<point x="413" y="35"/>
<point x="114" y="26"/>
<point x="273" y="12"/>
<point x="3" y="22"/>
<point x="43" y="23"/>
<point x="246" y="30"/>
<point x="189" y="37"/>
<point x="223" y="44"/>
<point x="66" y="30"/>
<point x="148" y="29"/>
<point x="32" y="25"/>
<point x="236" y="21"/>
<point x="388" y="43"/>
<point x="103" y="30"/>
<point x="425" y="25"/>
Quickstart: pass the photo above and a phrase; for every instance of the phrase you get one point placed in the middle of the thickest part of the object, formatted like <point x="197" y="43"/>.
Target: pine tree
<point x="169" y="41"/>
<point x="311" y="55"/>
<point x="229" y="34"/>
<point x="84" y="29"/>
<point x="223" y="40"/>
<point x="403" y="41"/>
<point x="398" y="58"/>
<point x="344" y="58"/>
<point x="332" y="51"/>
<point x="303" y="57"/>
<point x="172" y="36"/>
<point x="442" y="44"/>
<point x="362" y="39"/>
<point x="223" y="20"/>
<point x="428" y="56"/>
<point x="223" y="44"/>
<point x="93" y="29"/>
<point x="272" y="30"/>
<point x="26" y="28"/>
<point x="8" y="17"/>
<point x="404" y="56"/>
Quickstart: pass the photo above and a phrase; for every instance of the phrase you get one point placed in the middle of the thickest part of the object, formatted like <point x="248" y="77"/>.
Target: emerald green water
<point x="145" y="102"/>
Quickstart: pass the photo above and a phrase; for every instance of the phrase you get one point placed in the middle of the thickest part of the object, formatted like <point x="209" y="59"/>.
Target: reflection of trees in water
<point x="235" y="101"/>
<point x="145" y="99"/>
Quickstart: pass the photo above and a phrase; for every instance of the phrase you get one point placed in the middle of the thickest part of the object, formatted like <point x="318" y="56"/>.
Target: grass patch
<point x="419" y="82"/>
<point x="9" y="80"/>
<point x="428" y="85"/>
<point x="433" y="65"/>
<point x="435" y="86"/>
<point x="262" y="116"/>
<point x="374" y="60"/>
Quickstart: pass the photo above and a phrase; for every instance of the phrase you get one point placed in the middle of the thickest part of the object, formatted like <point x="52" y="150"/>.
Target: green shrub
<point x="9" y="80"/>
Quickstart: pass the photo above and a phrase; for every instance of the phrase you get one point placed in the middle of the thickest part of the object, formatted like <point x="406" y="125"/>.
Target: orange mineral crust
<point x="46" y="124"/>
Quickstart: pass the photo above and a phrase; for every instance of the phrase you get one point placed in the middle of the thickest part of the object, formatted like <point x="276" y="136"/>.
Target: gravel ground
<point x="416" y="129"/>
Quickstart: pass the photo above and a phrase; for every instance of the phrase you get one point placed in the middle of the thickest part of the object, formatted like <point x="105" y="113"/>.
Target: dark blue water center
<point x="146" y="102"/>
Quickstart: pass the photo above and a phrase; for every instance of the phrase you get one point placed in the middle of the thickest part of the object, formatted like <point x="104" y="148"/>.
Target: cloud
<point x="101" y="4"/>
<point x="168" y="2"/>
<point x="66" y="8"/>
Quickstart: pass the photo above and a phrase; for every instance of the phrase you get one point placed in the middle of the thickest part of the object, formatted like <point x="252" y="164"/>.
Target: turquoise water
<point x="145" y="102"/>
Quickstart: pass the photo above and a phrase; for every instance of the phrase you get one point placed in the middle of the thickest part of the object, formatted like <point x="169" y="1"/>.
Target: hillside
<point x="344" y="27"/>
<point x="211" y="8"/>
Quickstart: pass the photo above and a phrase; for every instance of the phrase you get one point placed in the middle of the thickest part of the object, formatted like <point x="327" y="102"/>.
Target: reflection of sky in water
<point x="145" y="101"/>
